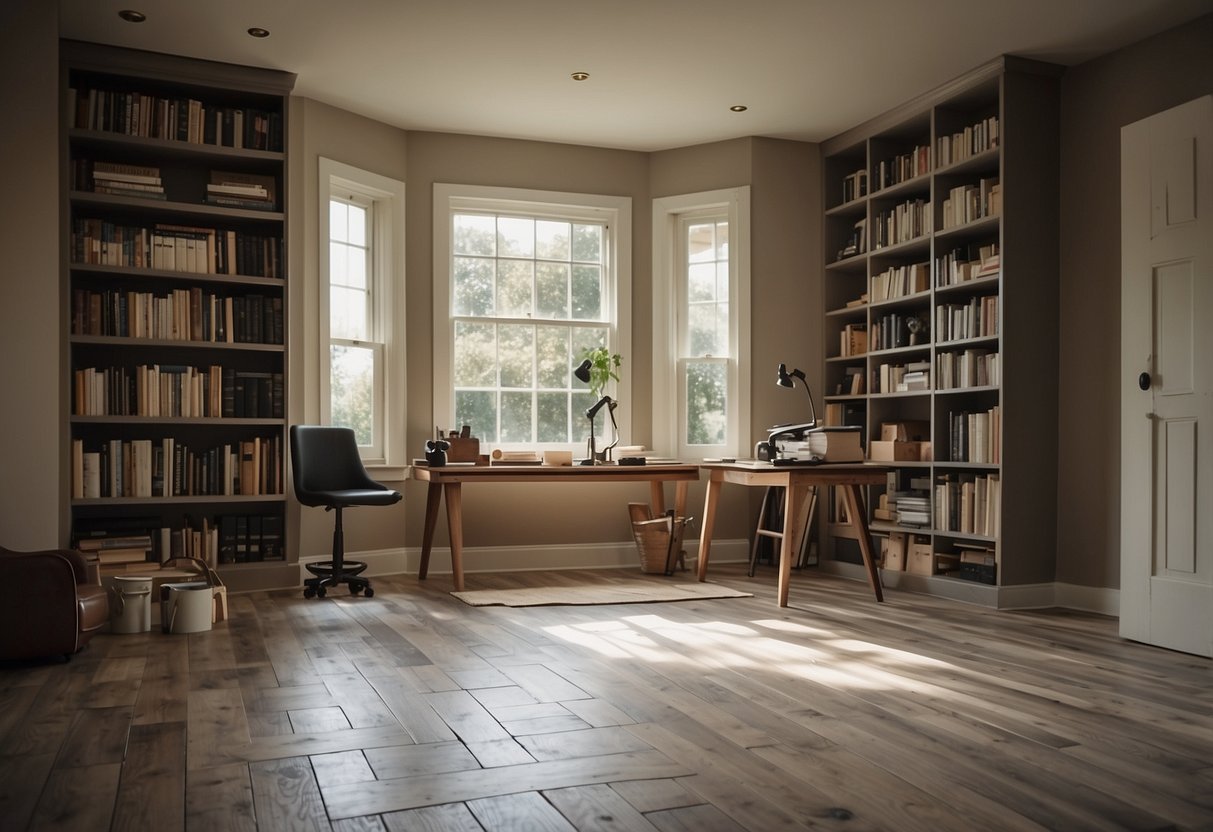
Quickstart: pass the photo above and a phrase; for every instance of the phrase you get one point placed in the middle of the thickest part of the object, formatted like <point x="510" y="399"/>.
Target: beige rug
<point x="638" y="592"/>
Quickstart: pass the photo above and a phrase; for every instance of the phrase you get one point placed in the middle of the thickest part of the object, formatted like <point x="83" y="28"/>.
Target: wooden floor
<point x="413" y="711"/>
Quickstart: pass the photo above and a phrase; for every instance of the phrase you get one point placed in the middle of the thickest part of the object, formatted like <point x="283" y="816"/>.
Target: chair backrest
<point x="325" y="459"/>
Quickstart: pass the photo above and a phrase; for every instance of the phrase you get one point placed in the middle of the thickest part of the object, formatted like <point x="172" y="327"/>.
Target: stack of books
<point x="242" y="190"/>
<point x="142" y="181"/>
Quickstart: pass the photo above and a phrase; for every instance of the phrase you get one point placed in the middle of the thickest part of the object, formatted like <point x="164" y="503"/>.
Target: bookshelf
<point x="174" y="311"/>
<point x="947" y="284"/>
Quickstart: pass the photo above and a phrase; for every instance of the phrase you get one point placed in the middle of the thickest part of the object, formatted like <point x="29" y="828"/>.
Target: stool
<point x="771" y="514"/>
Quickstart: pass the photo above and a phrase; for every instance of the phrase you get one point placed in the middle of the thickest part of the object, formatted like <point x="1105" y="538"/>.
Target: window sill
<point x="388" y="473"/>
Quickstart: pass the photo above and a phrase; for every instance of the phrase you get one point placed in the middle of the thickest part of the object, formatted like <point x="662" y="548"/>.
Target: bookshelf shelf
<point x="992" y="278"/>
<point x="176" y="162"/>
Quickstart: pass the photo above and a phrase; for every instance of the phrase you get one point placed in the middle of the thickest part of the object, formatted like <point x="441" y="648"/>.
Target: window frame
<point x="384" y="198"/>
<point x="612" y="211"/>
<point x="670" y="320"/>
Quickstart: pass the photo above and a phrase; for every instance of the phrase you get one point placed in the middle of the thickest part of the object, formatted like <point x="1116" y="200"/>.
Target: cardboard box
<point x="906" y="431"/>
<point x="885" y="451"/>
<point x="920" y="557"/>
<point x="893" y="552"/>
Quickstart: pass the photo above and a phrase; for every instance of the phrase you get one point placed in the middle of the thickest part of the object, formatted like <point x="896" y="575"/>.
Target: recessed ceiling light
<point x="739" y="108"/>
<point x="258" y="32"/>
<point x="580" y="76"/>
<point x="132" y="16"/>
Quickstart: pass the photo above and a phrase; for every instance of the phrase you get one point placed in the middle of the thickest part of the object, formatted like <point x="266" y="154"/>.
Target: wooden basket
<point x="659" y="539"/>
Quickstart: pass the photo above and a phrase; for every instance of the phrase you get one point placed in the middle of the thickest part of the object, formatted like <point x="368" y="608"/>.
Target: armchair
<point x="54" y="607"/>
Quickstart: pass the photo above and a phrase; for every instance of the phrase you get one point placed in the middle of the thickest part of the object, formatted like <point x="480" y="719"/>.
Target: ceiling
<point x="663" y="73"/>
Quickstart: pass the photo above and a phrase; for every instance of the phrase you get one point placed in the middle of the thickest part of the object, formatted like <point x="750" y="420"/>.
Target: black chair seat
<point x="357" y="497"/>
<point x="327" y="471"/>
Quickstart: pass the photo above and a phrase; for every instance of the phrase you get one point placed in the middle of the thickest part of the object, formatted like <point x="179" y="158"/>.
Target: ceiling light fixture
<point x="258" y="32"/>
<point x="739" y="108"/>
<point x="132" y="16"/>
<point x="580" y="76"/>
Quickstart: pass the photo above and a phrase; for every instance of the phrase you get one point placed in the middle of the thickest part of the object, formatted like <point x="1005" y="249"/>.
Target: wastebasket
<point x="130" y="604"/>
<point x="185" y="607"/>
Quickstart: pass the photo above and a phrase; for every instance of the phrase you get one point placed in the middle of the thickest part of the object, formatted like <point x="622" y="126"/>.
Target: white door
<point x="1166" y="562"/>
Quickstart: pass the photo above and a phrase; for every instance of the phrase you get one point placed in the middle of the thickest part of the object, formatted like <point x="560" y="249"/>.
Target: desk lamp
<point x="785" y="380"/>
<point x="583" y="374"/>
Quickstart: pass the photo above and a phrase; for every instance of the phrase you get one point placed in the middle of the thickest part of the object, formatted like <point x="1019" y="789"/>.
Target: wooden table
<point x="448" y="480"/>
<point x="796" y="481"/>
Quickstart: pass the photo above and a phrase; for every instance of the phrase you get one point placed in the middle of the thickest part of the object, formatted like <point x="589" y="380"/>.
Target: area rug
<point x="637" y="592"/>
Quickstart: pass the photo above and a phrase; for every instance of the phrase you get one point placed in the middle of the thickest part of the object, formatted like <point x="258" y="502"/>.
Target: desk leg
<point x="709" y="518"/>
<point x="657" y="497"/>
<point x="856" y="509"/>
<point x="794" y="497"/>
<point x="454" y="523"/>
<point x="432" y="498"/>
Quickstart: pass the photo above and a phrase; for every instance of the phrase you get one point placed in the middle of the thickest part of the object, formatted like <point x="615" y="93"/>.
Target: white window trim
<point x="388" y="268"/>
<point x="667" y="212"/>
<point x="615" y="212"/>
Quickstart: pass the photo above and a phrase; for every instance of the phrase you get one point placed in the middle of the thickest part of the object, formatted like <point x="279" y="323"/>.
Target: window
<point x="525" y="282"/>
<point x="362" y="309"/>
<point x="701" y="323"/>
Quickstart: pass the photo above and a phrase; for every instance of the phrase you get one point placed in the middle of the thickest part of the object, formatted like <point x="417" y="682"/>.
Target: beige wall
<point x="33" y="480"/>
<point x="320" y="130"/>
<point x="1097" y="99"/>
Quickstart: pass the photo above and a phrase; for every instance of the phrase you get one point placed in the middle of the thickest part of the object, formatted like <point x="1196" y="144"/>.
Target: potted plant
<point x="604" y="367"/>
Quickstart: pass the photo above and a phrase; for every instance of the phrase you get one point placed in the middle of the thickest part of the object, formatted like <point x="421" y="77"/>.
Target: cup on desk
<point x="557" y="457"/>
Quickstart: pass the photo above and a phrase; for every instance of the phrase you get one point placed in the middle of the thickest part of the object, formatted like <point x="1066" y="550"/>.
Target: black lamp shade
<point x="583" y="372"/>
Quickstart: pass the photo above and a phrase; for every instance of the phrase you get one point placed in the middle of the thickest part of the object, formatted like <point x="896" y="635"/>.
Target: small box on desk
<point x="463" y="449"/>
<point x="882" y="450"/>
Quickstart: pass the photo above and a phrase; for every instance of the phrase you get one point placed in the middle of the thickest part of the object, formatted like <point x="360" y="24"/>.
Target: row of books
<point x="902" y="378"/>
<point x="902" y="223"/>
<point x="857" y="242"/>
<point x="142" y="181"/>
<point x="894" y="330"/>
<point x="854" y="185"/>
<point x="134" y="545"/>
<point x="976" y="319"/>
<point x="906" y="500"/>
<point x="179" y="315"/>
<point x="174" y="390"/>
<point x="853" y="339"/>
<point x="969" y="141"/>
<point x="966" y="263"/>
<point x="235" y="190"/>
<point x="967" y="203"/>
<point x="169" y="468"/>
<point x="175" y="119"/>
<point x="912" y="163"/>
<point x="852" y="383"/>
<point x="176" y="248"/>
<point x="968" y="504"/>
<point x="975" y="436"/>
<point x="900" y="281"/>
<point x="242" y="190"/>
<point x="970" y="368"/>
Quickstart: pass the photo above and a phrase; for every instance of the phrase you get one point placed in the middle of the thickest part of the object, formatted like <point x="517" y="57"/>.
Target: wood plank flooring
<point x="412" y="711"/>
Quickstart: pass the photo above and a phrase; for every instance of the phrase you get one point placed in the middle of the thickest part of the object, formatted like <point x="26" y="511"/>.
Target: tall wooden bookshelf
<point x="965" y="174"/>
<point x="174" y="263"/>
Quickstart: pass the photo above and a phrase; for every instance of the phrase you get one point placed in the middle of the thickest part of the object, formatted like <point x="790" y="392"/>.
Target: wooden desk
<point x="796" y="482"/>
<point x="449" y="480"/>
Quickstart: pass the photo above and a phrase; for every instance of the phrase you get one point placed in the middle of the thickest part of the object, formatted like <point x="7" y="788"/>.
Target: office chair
<point x="328" y="472"/>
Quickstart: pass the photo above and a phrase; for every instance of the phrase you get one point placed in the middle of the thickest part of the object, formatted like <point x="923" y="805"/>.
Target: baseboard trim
<point x="406" y="561"/>
<point x="1100" y="600"/>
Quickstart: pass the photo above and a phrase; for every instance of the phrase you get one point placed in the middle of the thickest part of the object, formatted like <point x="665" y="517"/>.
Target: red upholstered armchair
<point x="53" y="607"/>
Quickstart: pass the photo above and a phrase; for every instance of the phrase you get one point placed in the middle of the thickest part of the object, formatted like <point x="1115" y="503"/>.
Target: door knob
<point x="1143" y="381"/>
